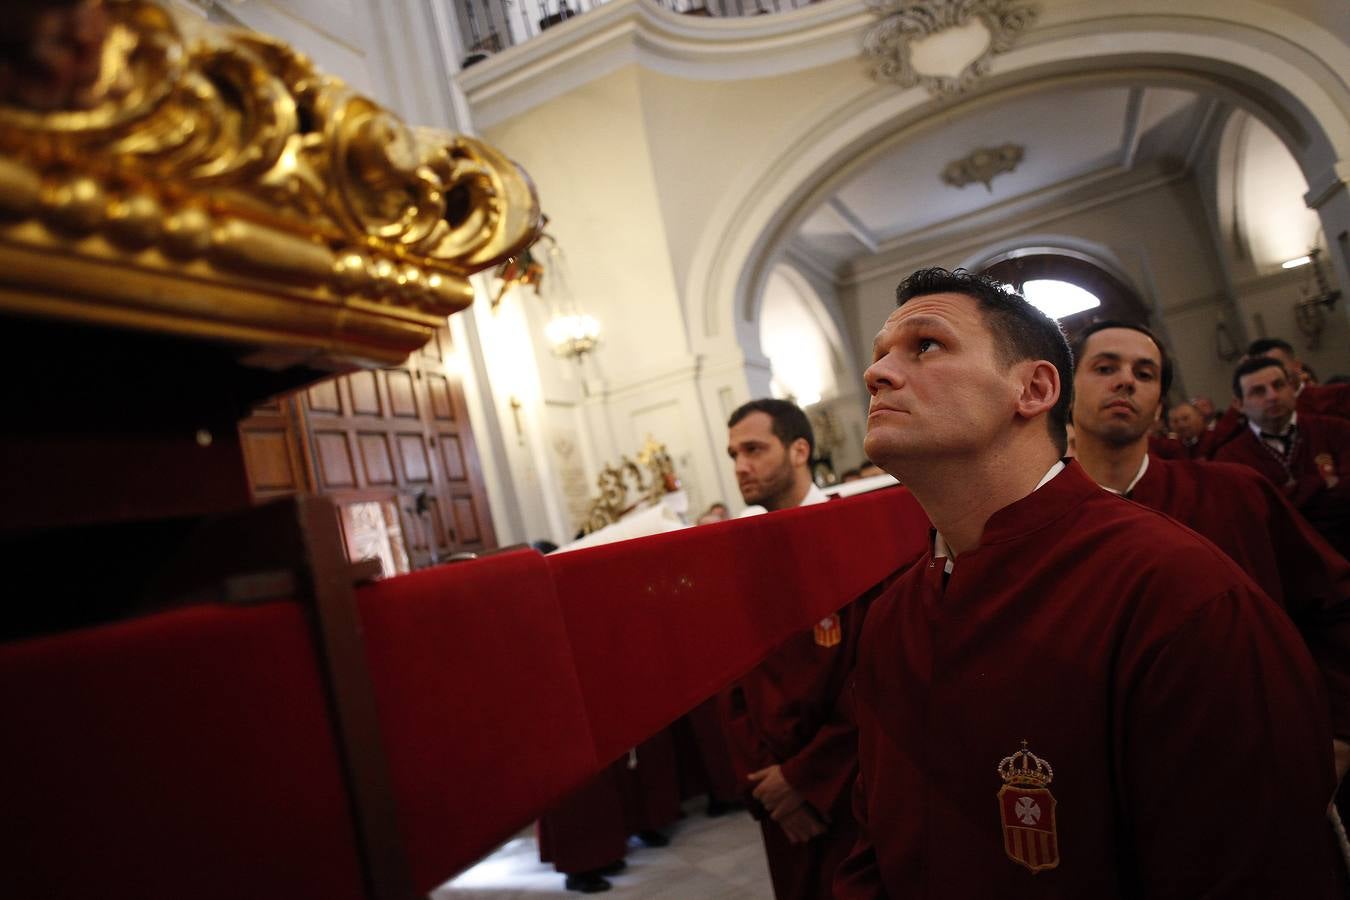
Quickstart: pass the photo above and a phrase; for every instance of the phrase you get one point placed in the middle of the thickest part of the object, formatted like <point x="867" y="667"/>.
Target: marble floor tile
<point x="708" y="859"/>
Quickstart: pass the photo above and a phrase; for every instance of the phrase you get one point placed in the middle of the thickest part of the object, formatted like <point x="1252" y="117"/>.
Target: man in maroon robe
<point x="1121" y="374"/>
<point x="1307" y="456"/>
<point x="791" y="738"/>
<point x="1071" y="695"/>
<point x="1189" y="426"/>
<point x="1316" y="399"/>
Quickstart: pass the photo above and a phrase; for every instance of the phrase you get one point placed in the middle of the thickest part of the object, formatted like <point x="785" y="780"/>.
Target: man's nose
<point x="879" y="375"/>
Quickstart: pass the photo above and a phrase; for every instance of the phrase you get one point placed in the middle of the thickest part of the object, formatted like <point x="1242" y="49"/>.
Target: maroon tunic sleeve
<point x="1325" y="400"/>
<point x="824" y="769"/>
<point x="1202" y="826"/>
<point x="1315" y="588"/>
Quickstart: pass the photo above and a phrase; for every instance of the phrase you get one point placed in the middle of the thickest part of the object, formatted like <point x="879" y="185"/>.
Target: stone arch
<point x="1284" y="84"/>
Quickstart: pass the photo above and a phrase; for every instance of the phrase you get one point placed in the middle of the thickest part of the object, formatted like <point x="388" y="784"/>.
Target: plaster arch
<point x="1283" y="84"/>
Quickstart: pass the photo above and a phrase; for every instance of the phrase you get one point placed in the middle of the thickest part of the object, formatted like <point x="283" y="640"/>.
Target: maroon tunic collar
<point x="1041" y="508"/>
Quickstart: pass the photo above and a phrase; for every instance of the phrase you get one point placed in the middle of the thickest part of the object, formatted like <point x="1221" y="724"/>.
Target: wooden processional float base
<point x="202" y="697"/>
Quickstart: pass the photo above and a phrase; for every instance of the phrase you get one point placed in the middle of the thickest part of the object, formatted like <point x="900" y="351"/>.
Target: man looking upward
<point x="1121" y="374"/>
<point x="786" y="721"/>
<point x="1069" y="695"/>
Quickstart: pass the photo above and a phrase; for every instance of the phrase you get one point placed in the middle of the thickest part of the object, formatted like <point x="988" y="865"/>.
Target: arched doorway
<point x="1025" y="270"/>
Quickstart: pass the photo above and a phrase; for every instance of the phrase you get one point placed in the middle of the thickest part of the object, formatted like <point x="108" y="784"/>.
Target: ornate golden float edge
<point x="212" y="181"/>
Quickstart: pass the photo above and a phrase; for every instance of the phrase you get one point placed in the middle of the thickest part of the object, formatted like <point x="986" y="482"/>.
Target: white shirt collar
<point x="1293" y="420"/>
<point x="942" y="551"/>
<point x="813" y="496"/>
<point x="1143" y="467"/>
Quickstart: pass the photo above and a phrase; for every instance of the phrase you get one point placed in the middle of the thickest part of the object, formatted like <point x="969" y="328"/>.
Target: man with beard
<point x="1305" y="455"/>
<point x="786" y="722"/>
<point x="771" y="442"/>
<point x="1121" y="374"/>
<point x="1069" y="695"/>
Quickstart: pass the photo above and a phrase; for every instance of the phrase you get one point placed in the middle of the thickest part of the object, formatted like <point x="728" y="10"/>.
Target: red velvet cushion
<point x="186" y="754"/>
<point x="482" y="717"/>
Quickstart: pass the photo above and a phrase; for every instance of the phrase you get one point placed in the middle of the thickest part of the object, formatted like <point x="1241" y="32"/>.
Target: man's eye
<point x="1104" y="370"/>
<point x="1145" y="376"/>
<point x="926" y="344"/>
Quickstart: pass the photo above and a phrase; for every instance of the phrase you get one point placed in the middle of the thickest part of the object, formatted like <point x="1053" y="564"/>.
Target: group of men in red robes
<point x="1306" y="454"/>
<point x="1118" y="675"/>
<point x="1072" y="694"/>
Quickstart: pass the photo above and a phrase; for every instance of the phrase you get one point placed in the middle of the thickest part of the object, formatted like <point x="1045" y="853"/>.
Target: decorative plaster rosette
<point x="888" y="44"/>
<point x="187" y="178"/>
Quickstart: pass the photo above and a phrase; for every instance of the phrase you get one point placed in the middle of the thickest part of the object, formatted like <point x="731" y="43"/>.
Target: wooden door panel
<point x="413" y="451"/>
<point x="274" y="446"/>
<point x="442" y="405"/>
<point x="452" y="456"/>
<point x="323" y="397"/>
<point x="335" y="460"/>
<point x="375" y="458"/>
<point x="402" y="396"/>
<point x="365" y="392"/>
<point x="466" y="521"/>
<point x="267" y="457"/>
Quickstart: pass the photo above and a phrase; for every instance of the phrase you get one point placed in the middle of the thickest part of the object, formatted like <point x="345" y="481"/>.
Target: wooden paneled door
<point x="394" y="449"/>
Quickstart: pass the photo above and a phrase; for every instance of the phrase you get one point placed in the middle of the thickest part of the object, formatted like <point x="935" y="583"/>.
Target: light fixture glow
<point x="1296" y="262"/>
<point x="573" y="335"/>
<point x="1058" y="299"/>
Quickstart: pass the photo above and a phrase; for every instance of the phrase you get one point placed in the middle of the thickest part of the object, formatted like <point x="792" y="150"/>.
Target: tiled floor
<point x="708" y="859"/>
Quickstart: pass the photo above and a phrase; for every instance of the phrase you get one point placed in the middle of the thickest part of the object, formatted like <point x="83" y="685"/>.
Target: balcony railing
<point x="490" y="26"/>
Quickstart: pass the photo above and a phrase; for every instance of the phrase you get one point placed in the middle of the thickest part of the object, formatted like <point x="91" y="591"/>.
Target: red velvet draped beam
<point x="187" y="752"/>
<point x="504" y="683"/>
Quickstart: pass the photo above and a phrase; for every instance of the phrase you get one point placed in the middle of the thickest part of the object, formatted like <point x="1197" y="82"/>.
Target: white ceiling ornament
<point x="982" y="165"/>
<point x="944" y="45"/>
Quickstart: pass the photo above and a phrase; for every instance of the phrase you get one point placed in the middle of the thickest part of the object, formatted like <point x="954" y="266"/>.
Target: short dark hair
<point x="1081" y="340"/>
<point x="1020" y="330"/>
<point x="789" y="422"/>
<point x="1263" y="346"/>
<point x="1255" y="364"/>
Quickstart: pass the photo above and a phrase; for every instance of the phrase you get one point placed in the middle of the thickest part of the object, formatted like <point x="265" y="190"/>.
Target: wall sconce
<point x="573" y="335"/>
<point x="1311" y="312"/>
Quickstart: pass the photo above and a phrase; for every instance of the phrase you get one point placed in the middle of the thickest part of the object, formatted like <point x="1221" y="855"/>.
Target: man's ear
<point x="1040" y="388"/>
<point x="800" y="452"/>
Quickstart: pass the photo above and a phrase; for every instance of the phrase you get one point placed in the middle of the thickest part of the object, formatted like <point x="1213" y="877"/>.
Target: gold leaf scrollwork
<point x="177" y="142"/>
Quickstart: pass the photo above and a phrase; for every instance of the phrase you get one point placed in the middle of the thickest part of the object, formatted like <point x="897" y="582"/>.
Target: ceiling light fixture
<point x="1058" y="299"/>
<point x="1296" y="262"/>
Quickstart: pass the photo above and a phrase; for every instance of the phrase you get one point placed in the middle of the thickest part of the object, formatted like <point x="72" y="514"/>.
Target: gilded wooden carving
<point x="651" y="477"/>
<point x="175" y="176"/>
